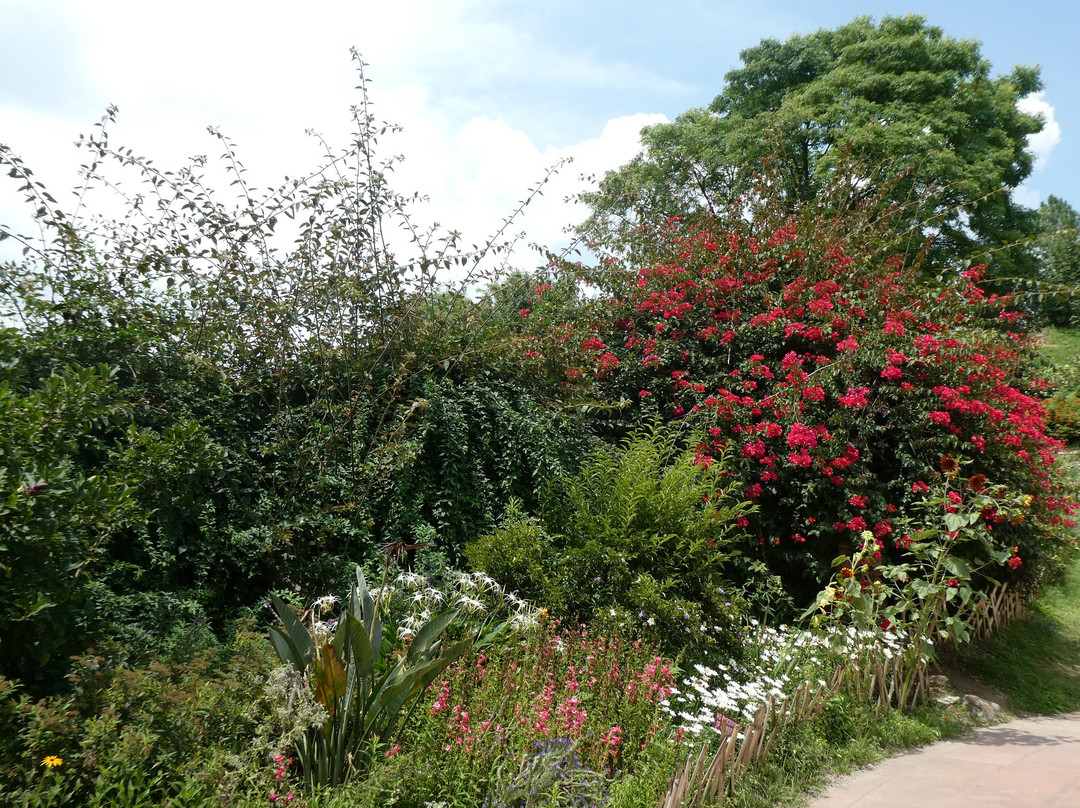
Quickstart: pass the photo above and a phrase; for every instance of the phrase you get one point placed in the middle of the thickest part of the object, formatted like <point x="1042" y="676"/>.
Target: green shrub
<point x="1063" y="417"/>
<point x="183" y="734"/>
<point x="551" y="775"/>
<point x="644" y="537"/>
<point x="56" y="516"/>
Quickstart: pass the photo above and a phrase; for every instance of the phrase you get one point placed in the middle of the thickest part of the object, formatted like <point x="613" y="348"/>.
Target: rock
<point x="946" y="700"/>
<point x="937" y="680"/>
<point x="983" y="711"/>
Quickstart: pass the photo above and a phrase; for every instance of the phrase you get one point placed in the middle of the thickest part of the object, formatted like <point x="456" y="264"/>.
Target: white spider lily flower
<point x="325" y="604"/>
<point x="470" y="604"/>
<point x="411" y="579"/>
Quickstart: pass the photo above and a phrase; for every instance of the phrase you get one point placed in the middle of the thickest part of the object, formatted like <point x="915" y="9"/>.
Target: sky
<point x="489" y="94"/>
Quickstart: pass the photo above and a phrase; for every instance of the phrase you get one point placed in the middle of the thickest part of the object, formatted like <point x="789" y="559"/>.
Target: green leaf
<point x="297" y="637"/>
<point x="351" y="631"/>
<point x="286" y="651"/>
<point x="429" y="633"/>
<point x="958" y="567"/>
<point x="955" y="521"/>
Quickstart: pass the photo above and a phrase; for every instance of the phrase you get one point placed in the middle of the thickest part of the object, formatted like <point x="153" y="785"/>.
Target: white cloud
<point x="488" y="168"/>
<point x="1042" y="143"/>
<point x="265" y="73"/>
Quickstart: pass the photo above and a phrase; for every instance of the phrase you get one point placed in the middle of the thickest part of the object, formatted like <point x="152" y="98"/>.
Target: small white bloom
<point x="325" y="603"/>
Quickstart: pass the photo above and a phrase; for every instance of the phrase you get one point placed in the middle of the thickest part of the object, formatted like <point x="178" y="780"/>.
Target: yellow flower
<point x="52" y="761"/>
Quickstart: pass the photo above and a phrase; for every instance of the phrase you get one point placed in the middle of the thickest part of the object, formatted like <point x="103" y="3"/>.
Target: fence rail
<point x="703" y="781"/>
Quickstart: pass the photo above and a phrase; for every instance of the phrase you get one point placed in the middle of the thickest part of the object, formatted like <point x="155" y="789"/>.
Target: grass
<point x="1060" y="346"/>
<point x="848" y="736"/>
<point x="1036" y="661"/>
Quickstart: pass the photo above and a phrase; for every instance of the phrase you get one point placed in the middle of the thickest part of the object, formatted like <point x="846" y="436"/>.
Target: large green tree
<point x="1058" y="251"/>
<point x="907" y="114"/>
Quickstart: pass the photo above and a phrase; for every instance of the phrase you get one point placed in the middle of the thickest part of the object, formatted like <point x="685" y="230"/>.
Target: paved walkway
<point x="1029" y="763"/>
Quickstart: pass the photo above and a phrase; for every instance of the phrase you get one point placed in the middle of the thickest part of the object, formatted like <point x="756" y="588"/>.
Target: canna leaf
<point x="296" y="635"/>
<point x="429" y="633"/>
<point x="330" y="678"/>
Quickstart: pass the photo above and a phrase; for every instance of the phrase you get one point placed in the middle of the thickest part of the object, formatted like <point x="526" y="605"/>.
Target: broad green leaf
<point x="363" y="655"/>
<point x="955" y="521"/>
<point x="286" y="651"/>
<point x="958" y="567"/>
<point x="429" y="633"/>
<point x="298" y="636"/>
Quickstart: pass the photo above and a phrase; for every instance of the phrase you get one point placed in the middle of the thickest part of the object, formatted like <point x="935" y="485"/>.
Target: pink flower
<point x="606" y="362"/>
<point x="755" y="449"/>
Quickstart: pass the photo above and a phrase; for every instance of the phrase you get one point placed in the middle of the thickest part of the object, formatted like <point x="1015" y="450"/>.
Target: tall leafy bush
<point x="646" y="534"/>
<point x="294" y="393"/>
<point x="833" y="379"/>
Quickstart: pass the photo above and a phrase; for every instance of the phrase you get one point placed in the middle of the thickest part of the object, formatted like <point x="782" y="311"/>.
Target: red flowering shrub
<point x="835" y="383"/>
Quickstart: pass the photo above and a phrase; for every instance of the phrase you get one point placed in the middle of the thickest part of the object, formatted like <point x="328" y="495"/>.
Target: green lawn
<point x="1036" y="661"/>
<point x="1061" y="346"/>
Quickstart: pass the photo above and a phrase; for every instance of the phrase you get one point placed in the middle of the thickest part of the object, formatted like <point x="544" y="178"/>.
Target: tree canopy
<point x="917" y="111"/>
<point x="1058" y="251"/>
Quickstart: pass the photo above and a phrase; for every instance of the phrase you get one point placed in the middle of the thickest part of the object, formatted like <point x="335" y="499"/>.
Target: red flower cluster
<point x="839" y="383"/>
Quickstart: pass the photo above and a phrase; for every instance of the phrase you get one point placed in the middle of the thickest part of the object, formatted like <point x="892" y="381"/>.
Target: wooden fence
<point x="703" y="781"/>
<point x="1002" y="605"/>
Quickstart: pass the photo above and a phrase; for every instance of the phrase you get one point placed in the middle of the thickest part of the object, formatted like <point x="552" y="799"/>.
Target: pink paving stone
<point x="1029" y="763"/>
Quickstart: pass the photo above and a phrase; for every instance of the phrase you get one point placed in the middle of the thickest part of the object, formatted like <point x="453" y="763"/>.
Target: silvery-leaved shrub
<point x="551" y="775"/>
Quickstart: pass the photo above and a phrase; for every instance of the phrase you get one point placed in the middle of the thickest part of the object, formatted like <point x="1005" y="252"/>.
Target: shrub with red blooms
<point x="838" y="382"/>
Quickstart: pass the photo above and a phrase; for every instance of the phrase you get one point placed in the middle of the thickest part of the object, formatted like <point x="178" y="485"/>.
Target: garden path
<point x="1027" y="763"/>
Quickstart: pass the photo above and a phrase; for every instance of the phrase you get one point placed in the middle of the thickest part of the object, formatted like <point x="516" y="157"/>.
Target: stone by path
<point x="1028" y="763"/>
